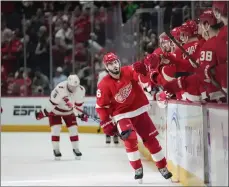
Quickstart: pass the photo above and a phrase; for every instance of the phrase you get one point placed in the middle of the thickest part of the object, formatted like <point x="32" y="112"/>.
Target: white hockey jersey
<point x="60" y="95"/>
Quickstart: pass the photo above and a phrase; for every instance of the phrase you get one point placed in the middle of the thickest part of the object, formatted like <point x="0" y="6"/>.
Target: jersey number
<point x="98" y="93"/>
<point x="206" y="56"/>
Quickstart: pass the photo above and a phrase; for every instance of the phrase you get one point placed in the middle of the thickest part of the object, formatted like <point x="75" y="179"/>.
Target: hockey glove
<point x="140" y="67"/>
<point x="83" y="117"/>
<point x="152" y="61"/>
<point x="108" y="127"/>
<point x="42" y="114"/>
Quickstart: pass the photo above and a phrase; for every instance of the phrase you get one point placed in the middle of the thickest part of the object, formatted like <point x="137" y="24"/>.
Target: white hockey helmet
<point x="73" y="82"/>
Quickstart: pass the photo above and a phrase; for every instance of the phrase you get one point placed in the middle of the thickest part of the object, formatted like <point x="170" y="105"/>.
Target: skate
<point x="139" y="175"/>
<point x="77" y="154"/>
<point x="57" y="154"/>
<point x="115" y="139"/>
<point x="108" y="139"/>
<point x="165" y="173"/>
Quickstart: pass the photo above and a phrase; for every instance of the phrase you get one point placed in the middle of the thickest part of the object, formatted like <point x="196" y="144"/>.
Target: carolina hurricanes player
<point x="207" y="58"/>
<point x="108" y="138"/>
<point x="121" y="98"/>
<point x="220" y="11"/>
<point x="65" y="96"/>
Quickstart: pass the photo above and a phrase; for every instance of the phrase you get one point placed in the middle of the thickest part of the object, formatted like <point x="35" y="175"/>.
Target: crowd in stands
<point x="33" y="34"/>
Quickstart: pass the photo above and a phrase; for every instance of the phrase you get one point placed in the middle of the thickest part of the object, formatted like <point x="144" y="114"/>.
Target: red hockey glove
<point x="174" y="85"/>
<point x="140" y="67"/>
<point x="152" y="61"/>
<point x="69" y="104"/>
<point x="42" y="114"/>
<point x="83" y="117"/>
<point x="108" y="127"/>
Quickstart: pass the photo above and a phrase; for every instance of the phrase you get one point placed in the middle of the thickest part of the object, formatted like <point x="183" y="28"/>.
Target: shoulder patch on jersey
<point x="61" y="87"/>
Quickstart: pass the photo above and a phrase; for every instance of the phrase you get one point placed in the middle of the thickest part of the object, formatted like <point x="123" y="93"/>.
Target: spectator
<point x="42" y="50"/>
<point x="40" y="83"/>
<point x="11" y="48"/>
<point x="64" y="35"/>
<point x="59" y="77"/>
<point x="22" y="83"/>
<point x="130" y="9"/>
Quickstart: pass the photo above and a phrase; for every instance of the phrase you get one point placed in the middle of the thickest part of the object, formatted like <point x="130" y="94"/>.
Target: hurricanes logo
<point x="123" y="93"/>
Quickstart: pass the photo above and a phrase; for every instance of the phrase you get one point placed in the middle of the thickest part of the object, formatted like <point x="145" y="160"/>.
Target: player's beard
<point x="114" y="71"/>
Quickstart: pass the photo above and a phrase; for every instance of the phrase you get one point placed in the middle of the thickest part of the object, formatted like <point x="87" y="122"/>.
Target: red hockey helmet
<point x="188" y="29"/>
<point x="109" y="57"/>
<point x="219" y="8"/>
<point x="176" y="33"/>
<point x="209" y="17"/>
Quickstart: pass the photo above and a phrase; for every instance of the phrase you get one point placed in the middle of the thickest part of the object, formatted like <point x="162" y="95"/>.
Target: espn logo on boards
<point x="25" y="110"/>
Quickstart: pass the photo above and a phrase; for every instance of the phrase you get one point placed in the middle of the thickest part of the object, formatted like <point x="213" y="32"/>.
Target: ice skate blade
<point x="78" y="157"/>
<point x="57" y="158"/>
<point x="140" y="181"/>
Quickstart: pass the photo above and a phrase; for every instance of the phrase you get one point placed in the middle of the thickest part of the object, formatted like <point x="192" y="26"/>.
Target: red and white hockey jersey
<point x="121" y="98"/>
<point x="61" y="95"/>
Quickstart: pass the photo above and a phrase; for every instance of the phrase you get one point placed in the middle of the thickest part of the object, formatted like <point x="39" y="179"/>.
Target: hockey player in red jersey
<point x="63" y="99"/>
<point x="120" y="91"/>
<point x="192" y="45"/>
<point x="220" y="11"/>
<point x="108" y="138"/>
<point x="207" y="58"/>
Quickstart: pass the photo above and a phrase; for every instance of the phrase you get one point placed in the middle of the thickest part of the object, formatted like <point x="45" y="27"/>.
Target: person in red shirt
<point x="10" y="48"/>
<point x="122" y="108"/>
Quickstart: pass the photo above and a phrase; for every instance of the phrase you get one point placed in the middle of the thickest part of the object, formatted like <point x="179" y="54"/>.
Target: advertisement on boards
<point x="158" y="116"/>
<point x="218" y="122"/>
<point x="191" y="122"/>
<point x="21" y="111"/>
<point x="185" y="141"/>
<point x="174" y="151"/>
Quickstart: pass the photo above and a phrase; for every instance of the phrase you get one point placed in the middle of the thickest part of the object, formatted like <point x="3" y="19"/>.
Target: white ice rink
<point x="27" y="160"/>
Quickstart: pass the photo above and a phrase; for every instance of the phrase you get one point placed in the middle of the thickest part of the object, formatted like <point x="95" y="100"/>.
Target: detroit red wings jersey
<point x="222" y="45"/>
<point x="193" y="49"/>
<point x="60" y="95"/>
<point x="221" y="54"/>
<point x="123" y="97"/>
<point x="207" y="56"/>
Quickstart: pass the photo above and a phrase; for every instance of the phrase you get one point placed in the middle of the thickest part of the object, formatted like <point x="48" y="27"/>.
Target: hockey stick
<point x="93" y="118"/>
<point x="167" y="21"/>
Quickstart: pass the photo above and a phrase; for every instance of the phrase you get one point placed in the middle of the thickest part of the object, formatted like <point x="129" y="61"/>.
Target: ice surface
<point x="27" y="160"/>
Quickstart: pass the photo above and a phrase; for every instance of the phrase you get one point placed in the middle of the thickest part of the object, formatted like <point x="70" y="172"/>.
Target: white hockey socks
<point x="55" y="132"/>
<point x="74" y="138"/>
